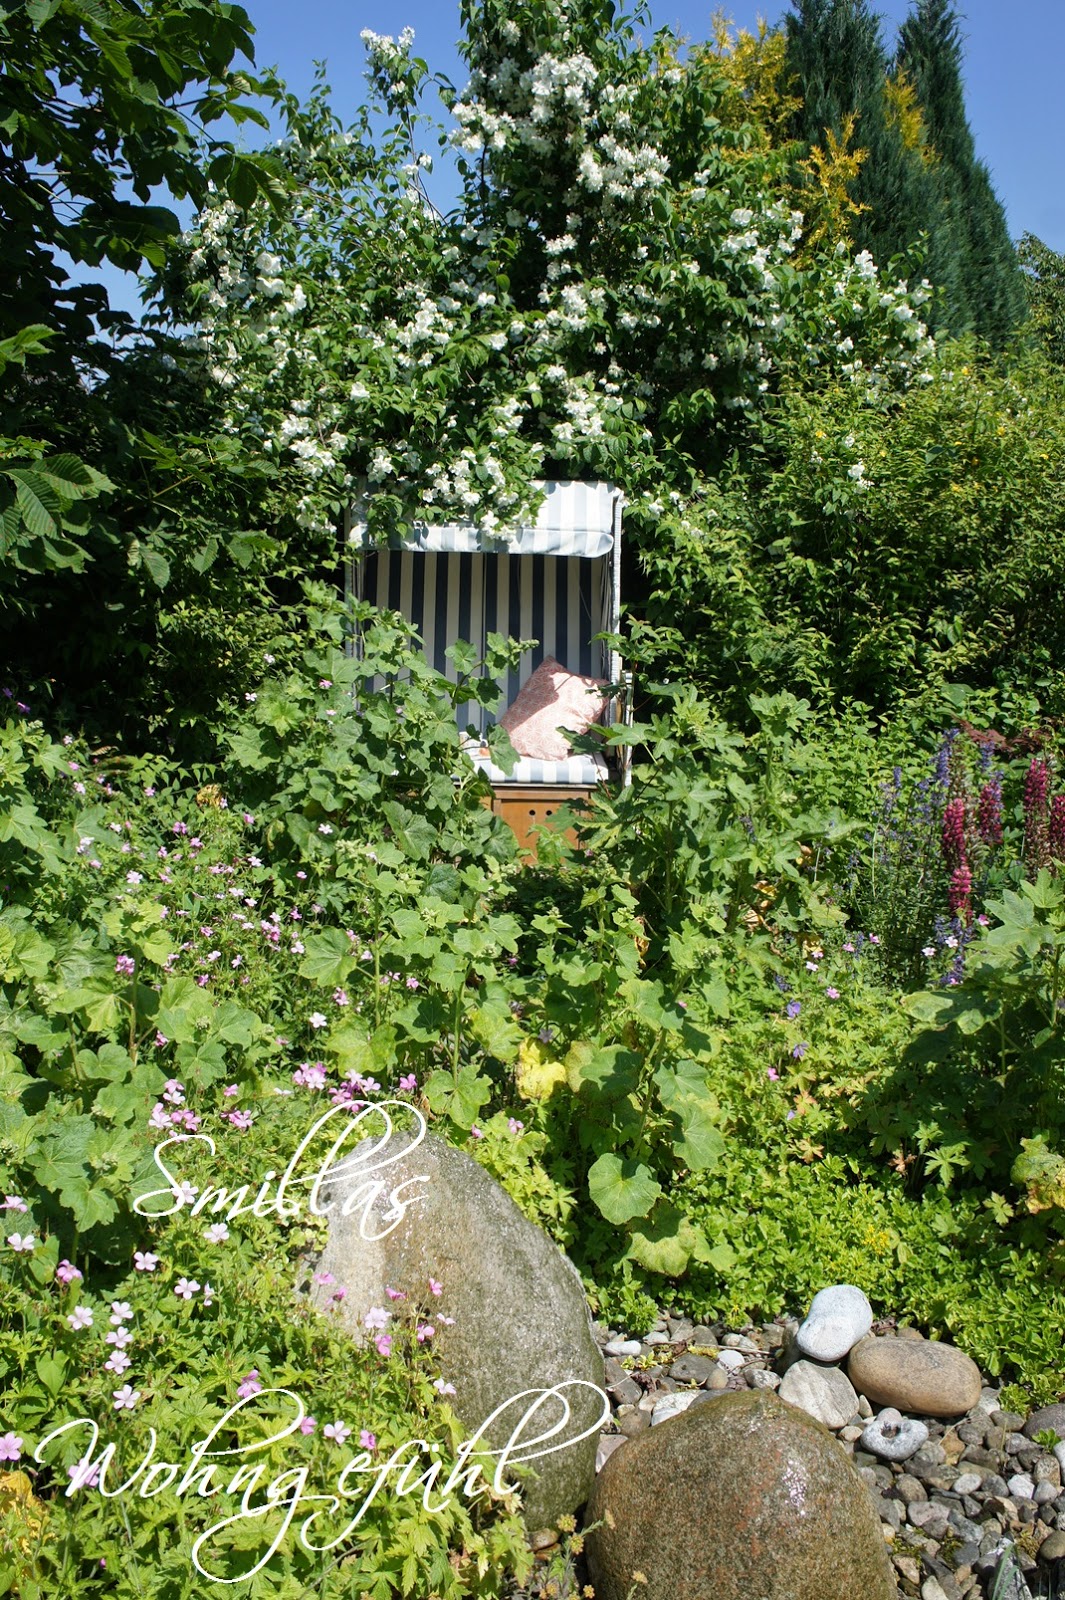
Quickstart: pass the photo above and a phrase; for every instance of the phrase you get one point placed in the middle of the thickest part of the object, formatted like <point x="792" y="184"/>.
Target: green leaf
<point x="925" y="1007"/>
<point x="722" y="1258"/>
<point x="157" y="566"/>
<point x="52" y="1371"/>
<point x="611" y="1072"/>
<point x="622" y="1189"/>
<point x="459" y="1098"/>
<point x="665" y="1243"/>
<point x="329" y="957"/>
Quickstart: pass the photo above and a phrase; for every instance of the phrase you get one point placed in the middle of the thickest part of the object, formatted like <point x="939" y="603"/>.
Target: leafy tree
<point x="98" y="98"/>
<point x="102" y="104"/>
<point x="614" y="295"/>
<point x="1044" y="281"/>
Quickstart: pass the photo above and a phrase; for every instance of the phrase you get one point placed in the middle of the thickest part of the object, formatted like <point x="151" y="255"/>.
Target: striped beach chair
<point x="556" y="581"/>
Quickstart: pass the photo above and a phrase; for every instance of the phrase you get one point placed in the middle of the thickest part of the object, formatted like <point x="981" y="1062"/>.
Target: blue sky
<point x="1013" y="72"/>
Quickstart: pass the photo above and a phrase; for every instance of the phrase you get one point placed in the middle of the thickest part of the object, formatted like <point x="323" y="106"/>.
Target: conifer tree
<point x="987" y="295"/>
<point x="922" y="192"/>
<point x="836" y="53"/>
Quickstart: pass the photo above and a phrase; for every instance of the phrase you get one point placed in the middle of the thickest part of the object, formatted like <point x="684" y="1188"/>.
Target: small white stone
<point x="623" y="1347"/>
<point x="671" y="1405"/>
<point x="732" y="1359"/>
<point x="838" y="1317"/>
<point x="968" y="1483"/>
<point x="1021" y="1486"/>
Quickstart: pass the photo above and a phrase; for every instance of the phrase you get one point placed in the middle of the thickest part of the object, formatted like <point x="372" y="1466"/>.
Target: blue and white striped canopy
<point x="575" y="519"/>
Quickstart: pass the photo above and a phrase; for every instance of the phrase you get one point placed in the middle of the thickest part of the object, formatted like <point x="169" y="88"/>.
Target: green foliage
<point x="882" y="548"/>
<point x="1044" y="281"/>
<point x="206" y="1310"/>
<point x="99" y="99"/>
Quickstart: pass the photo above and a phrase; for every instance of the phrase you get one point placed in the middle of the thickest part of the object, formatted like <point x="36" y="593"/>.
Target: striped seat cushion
<point x="577" y="771"/>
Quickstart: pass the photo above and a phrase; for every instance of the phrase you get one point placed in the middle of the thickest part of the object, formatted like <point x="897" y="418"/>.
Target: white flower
<point x="21" y="1241"/>
<point x="217" y="1233"/>
<point x="125" y="1398"/>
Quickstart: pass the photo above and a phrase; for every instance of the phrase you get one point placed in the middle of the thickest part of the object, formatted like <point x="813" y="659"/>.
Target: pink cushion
<point x="552" y="698"/>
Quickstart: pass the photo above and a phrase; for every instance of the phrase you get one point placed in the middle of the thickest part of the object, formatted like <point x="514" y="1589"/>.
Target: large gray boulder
<point x="743" y="1499"/>
<point x="520" y="1317"/>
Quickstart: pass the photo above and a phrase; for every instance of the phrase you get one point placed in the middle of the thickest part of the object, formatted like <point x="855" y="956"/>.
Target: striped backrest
<point x="561" y="602"/>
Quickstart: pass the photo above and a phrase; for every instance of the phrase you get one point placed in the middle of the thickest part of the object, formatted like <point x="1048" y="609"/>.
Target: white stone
<point x="1021" y="1486"/>
<point x="623" y="1347"/>
<point x="731" y="1359"/>
<point x="823" y="1392"/>
<point x="838" y="1317"/>
<point x="671" y="1405"/>
<point x="968" y="1483"/>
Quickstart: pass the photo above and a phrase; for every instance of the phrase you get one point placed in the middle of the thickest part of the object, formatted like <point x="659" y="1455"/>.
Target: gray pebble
<point x="623" y="1347"/>
<point x="893" y="1436"/>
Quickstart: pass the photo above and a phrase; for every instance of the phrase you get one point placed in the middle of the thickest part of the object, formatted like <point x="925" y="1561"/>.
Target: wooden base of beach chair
<point x="526" y="806"/>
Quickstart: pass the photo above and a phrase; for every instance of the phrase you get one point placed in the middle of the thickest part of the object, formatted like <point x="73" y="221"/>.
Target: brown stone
<point x="921" y="1376"/>
<point x="747" y="1497"/>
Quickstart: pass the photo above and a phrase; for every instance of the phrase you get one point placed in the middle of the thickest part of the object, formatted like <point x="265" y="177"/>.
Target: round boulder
<point x="510" y="1315"/>
<point x="744" y="1499"/>
<point x="917" y="1375"/>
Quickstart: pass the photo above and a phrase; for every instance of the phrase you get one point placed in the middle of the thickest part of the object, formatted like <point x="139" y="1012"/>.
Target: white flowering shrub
<point x="612" y="296"/>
